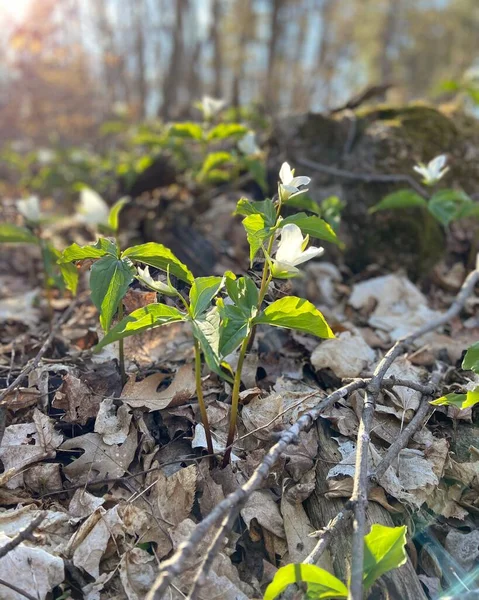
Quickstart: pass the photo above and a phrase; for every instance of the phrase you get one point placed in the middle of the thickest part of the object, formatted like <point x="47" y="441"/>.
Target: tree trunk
<point x="174" y="75"/>
<point x="217" y="54"/>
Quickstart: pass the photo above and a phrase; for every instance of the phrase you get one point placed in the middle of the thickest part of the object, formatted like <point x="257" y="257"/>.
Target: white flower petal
<point x="93" y="208"/>
<point x="284" y="270"/>
<point x="290" y="246"/>
<point x="29" y="208"/>
<point x="302" y="180"/>
<point x="308" y="254"/>
<point x="437" y="163"/>
<point x="285" y="173"/>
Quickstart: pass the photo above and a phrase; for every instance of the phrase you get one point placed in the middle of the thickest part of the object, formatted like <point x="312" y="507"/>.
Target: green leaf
<point x="295" y="313"/>
<point x="10" y="234"/>
<point x="212" y="160"/>
<point x="148" y="317"/>
<point x="303" y="201"/>
<point x="235" y="326"/>
<point x="384" y="550"/>
<point x="313" y="226"/>
<point x="400" y="199"/>
<point x="244" y="293"/>
<point x="109" y="280"/>
<point x="471" y="359"/>
<point x="331" y="209"/>
<point x="325" y="584"/>
<point x="265" y="208"/>
<point x="226" y="130"/>
<point x="76" y="252"/>
<point x="157" y="255"/>
<point x="69" y="274"/>
<point x="206" y="329"/>
<point x="187" y="130"/>
<point x="471" y="398"/>
<point x="202" y="292"/>
<point x="257" y="233"/>
<point x="115" y="213"/>
<point x="446" y="205"/>
<point x="257" y="169"/>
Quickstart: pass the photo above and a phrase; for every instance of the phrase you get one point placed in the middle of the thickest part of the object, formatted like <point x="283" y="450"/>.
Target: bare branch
<point x="326" y="535"/>
<point x="359" y="498"/>
<point x="23" y="535"/>
<point x="17" y="590"/>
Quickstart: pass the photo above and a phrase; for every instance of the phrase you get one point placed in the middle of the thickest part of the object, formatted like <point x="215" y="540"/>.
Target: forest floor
<point x="117" y="474"/>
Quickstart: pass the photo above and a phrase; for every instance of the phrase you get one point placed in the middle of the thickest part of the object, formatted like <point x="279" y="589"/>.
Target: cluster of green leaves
<point x="384" y="550"/>
<point x="471" y="397"/>
<point x="445" y="205"/>
<point x="329" y="209"/>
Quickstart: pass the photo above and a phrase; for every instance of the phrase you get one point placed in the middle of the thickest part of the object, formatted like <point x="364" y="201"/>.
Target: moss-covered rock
<point x="384" y="140"/>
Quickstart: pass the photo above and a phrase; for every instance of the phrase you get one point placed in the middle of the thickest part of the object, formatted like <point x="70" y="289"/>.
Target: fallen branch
<point x="359" y="498"/>
<point x="25" y="534"/>
<point x="29" y="367"/>
<point x="18" y="590"/>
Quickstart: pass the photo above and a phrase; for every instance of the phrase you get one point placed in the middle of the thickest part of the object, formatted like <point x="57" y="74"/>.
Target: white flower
<point x="92" y="209"/>
<point x="247" y="144"/>
<point x="433" y="171"/>
<point x="29" y="208"/>
<point x="143" y="275"/>
<point x="211" y="106"/>
<point x="290" y="184"/>
<point x="45" y="156"/>
<point x="292" y="252"/>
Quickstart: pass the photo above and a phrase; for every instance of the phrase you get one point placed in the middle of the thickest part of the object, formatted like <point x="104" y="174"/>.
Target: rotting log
<point x="400" y="583"/>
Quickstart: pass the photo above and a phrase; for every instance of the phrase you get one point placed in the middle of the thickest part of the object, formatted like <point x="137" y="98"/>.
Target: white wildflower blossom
<point x="211" y="106"/>
<point x="247" y="144"/>
<point x="45" y="156"/>
<point x="290" y="185"/>
<point x="92" y="209"/>
<point x="29" y="208"/>
<point x="292" y="251"/>
<point x="434" y="170"/>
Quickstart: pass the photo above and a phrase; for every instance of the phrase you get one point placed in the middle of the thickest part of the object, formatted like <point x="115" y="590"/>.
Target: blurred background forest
<point x="69" y="65"/>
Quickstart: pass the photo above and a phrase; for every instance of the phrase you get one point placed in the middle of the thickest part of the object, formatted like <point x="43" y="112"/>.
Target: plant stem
<point x="201" y="401"/>
<point x="235" y="400"/>
<point x="121" y="348"/>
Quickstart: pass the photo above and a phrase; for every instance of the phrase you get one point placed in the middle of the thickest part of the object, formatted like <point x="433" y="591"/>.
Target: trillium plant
<point x="445" y="205"/>
<point x="54" y="275"/>
<point x="223" y="311"/>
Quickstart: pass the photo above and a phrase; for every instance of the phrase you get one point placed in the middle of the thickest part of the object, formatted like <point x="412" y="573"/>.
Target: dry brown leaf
<point x="112" y="422"/>
<point x="261" y="506"/>
<point x="99" y="460"/>
<point x="145" y="526"/>
<point x="137" y="573"/>
<point x="297" y="528"/>
<point x="259" y="413"/>
<point x="135" y="299"/>
<point x="211" y="493"/>
<point x="22" y="398"/>
<point x="43" y="478"/>
<point x="347" y="355"/>
<point x="466" y="472"/>
<point x="78" y="401"/>
<point x="175" y="494"/>
<point x="83" y="504"/>
<point x="143" y="393"/>
<point x="444" y="501"/>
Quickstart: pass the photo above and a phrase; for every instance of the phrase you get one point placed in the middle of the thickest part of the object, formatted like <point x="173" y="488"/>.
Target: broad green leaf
<point x="384" y="550"/>
<point x="313" y="226"/>
<point x="10" y="234"/>
<point x="69" y="273"/>
<point x="218" y="176"/>
<point x="471" y="398"/>
<point x="214" y="159"/>
<point x="148" y="317"/>
<point x="400" y="199"/>
<point x="265" y="208"/>
<point x="295" y="313"/>
<point x="157" y="255"/>
<point x="115" y="213"/>
<point x="447" y="205"/>
<point x="321" y="583"/>
<point x="235" y="326"/>
<point x="187" y="130"/>
<point x="257" y="233"/>
<point x="202" y="292"/>
<point x="50" y="256"/>
<point x="257" y="169"/>
<point x="76" y="252"/>
<point x="471" y="359"/>
<point x="331" y="208"/>
<point x="244" y="294"/>
<point x="206" y="329"/>
<point x="304" y="202"/>
<point x="226" y="130"/>
<point x="109" y="280"/>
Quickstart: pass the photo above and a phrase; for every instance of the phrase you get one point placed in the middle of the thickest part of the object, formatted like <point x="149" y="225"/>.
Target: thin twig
<point x="172" y="567"/>
<point x="326" y="535"/>
<point x="23" y="535"/>
<point x="18" y="590"/>
<point x="213" y="549"/>
<point x="29" y="367"/>
<point x="359" y="498"/>
<point x="367" y="177"/>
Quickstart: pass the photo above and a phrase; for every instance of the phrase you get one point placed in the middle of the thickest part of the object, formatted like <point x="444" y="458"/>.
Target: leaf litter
<point x="119" y="473"/>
